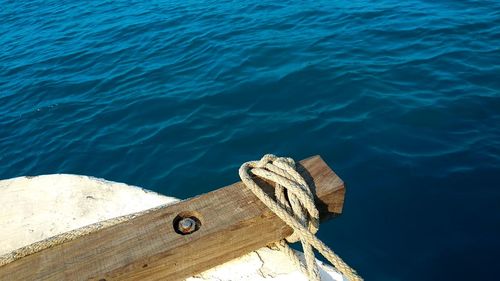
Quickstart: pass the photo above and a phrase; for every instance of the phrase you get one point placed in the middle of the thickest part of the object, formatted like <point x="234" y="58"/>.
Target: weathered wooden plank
<point x="233" y="222"/>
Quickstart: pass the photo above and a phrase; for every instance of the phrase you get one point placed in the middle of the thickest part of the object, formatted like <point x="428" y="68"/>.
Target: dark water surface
<point x="402" y="99"/>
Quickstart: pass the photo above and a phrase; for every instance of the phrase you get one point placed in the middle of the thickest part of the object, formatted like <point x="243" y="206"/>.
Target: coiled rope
<point x="299" y="211"/>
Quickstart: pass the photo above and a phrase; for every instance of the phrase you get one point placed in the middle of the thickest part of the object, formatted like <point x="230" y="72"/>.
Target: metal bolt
<point x="186" y="225"/>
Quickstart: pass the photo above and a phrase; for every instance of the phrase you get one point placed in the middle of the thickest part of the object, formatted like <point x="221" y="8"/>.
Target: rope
<point x="299" y="211"/>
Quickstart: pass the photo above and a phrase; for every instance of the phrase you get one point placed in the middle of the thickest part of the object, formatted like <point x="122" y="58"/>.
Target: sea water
<point x="401" y="98"/>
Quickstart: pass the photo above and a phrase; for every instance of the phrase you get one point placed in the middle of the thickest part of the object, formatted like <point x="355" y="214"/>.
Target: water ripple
<point x="403" y="99"/>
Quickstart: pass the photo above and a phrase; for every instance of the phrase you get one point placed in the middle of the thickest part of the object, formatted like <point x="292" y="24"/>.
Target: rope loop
<point x="294" y="204"/>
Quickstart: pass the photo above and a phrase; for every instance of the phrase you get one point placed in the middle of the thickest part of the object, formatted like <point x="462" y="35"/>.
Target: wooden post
<point x="232" y="222"/>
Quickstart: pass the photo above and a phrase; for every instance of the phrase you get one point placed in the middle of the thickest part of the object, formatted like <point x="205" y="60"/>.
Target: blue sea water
<point x="401" y="98"/>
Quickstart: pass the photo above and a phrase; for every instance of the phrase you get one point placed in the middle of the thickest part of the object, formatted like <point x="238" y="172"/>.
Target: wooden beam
<point x="233" y="222"/>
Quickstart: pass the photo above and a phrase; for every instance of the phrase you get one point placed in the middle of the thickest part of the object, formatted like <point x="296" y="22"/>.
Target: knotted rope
<point x="299" y="211"/>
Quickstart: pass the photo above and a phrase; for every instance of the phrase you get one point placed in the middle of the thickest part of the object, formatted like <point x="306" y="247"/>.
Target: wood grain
<point x="233" y="222"/>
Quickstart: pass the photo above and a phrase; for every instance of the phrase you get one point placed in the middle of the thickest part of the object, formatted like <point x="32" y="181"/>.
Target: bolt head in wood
<point x="186" y="225"/>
